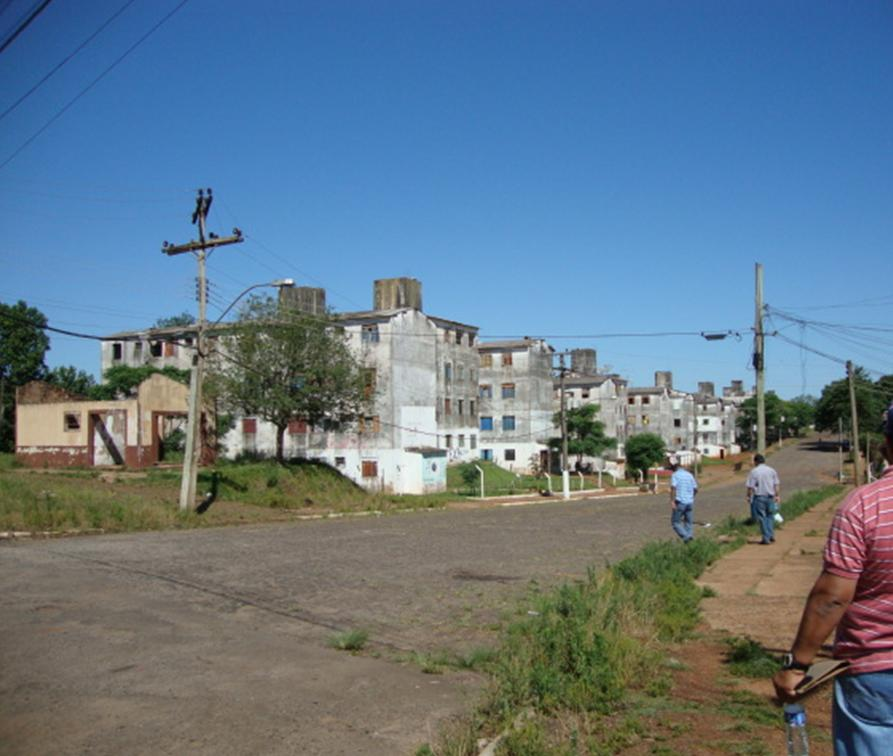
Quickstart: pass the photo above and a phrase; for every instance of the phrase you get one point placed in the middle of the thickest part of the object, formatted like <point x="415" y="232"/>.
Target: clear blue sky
<point x="572" y="168"/>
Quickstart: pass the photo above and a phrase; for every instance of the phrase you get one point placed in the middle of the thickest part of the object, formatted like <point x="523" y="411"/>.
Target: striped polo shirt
<point x="860" y="547"/>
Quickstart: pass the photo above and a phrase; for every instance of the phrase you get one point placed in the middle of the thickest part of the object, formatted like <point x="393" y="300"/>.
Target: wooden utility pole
<point x="200" y="249"/>
<point x="854" y="444"/>
<point x="759" y="361"/>
<point x="565" y="473"/>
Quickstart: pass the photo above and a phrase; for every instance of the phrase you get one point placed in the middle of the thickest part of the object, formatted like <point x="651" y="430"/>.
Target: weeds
<point x="350" y="640"/>
<point x="747" y="658"/>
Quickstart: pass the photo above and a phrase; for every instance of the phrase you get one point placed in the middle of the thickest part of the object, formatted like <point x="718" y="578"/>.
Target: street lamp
<point x="193" y="434"/>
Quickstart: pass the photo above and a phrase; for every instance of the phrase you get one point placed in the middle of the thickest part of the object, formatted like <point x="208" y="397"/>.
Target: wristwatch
<point x="789" y="662"/>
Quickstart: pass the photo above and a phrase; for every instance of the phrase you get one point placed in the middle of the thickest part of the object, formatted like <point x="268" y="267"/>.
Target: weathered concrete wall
<point x="396" y="293"/>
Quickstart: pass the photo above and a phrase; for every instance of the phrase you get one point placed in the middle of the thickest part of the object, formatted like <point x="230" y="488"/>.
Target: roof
<point x="524" y="343"/>
<point x="381" y="316"/>
<point x="648" y="390"/>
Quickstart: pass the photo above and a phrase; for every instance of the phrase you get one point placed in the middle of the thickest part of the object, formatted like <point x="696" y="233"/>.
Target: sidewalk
<point x="761" y="590"/>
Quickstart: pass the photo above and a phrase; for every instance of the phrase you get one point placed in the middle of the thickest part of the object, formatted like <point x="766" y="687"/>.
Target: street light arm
<point x="279" y="283"/>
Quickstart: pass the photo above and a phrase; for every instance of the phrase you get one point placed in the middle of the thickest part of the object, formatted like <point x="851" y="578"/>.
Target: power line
<point x="92" y="84"/>
<point x="24" y="24"/>
<point x="65" y="60"/>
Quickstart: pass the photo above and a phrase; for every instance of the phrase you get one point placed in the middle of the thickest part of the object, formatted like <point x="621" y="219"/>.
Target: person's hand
<point x="785" y="682"/>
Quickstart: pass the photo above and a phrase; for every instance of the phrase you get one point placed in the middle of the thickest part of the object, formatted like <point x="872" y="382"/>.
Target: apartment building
<point x="515" y="395"/>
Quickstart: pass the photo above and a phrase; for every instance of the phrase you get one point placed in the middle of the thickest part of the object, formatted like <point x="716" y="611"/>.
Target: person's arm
<point x="825" y="606"/>
<point x="672" y="495"/>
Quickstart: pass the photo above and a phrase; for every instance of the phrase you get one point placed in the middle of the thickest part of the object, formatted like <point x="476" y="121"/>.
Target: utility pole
<point x="565" y="473"/>
<point x="759" y="361"/>
<point x="854" y="446"/>
<point x="200" y="249"/>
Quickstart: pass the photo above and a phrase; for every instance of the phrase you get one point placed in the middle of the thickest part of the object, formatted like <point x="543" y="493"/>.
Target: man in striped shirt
<point x="854" y="593"/>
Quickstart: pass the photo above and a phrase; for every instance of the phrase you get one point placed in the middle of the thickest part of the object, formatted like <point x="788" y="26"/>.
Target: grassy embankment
<point x="589" y="668"/>
<point x="89" y="499"/>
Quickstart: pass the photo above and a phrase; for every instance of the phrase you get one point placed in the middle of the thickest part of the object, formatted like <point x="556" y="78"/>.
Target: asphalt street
<point x="215" y="640"/>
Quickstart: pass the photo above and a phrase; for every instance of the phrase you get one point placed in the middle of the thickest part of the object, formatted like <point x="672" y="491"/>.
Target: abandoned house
<point x="57" y="429"/>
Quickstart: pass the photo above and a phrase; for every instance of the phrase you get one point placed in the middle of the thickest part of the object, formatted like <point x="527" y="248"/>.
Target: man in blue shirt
<point x="683" y="488"/>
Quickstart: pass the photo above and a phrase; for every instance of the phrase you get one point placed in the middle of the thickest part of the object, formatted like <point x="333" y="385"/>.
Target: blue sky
<point x="544" y="168"/>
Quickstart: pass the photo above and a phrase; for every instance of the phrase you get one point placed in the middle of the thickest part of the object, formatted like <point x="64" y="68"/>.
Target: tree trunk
<point x="280" y="443"/>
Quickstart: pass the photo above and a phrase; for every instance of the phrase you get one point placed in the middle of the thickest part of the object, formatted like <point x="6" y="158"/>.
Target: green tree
<point x="121" y="381"/>
<point x="23" y="345"/>
<point x="747" y="417"/>
<point x="74" y="381"/>
<point x="644" y="450"/>
<point x="799" y="413"/>
<point x="183" y="319"/>
<point x="585" y="434"/>
<point x="834" y="403"/>
<point x="281" y="364"/>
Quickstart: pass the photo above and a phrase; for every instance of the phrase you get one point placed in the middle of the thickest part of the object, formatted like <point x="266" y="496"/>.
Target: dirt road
<point x="215" y="640"/>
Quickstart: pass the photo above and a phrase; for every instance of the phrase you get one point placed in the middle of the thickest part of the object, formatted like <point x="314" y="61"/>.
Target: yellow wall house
<point x="56" y="429"/>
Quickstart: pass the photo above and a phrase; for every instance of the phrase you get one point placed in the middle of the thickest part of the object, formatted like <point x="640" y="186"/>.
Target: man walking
<point x="763" y="494"/>
<point x="683" y="488"/>
<point x="854" y="593"/>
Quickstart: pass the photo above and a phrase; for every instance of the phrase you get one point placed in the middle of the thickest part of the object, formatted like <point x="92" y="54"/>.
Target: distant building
<point x="515" y="395"/>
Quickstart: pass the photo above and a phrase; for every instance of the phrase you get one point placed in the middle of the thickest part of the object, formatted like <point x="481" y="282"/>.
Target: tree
<point x="74" y="381"/>
<point x="747" y="417"/>
<point x="282" y="365"/>
<point x="183" y="319"/>
<point x="23" y="345"/>
<point x="585" y="435"/>
<point x="644" y="450"/>
<point x="834" y="403"/>
<point x="121" y="381"/>
<point x="799" y="413"/>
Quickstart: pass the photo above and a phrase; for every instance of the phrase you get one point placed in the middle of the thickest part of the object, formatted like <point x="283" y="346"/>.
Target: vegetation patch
<point x="350" y="640"/>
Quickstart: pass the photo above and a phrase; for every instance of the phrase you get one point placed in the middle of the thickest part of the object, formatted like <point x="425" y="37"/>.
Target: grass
<point x="349" y="640"/>
<point x="501" y="482"/>
<point x="590" y="662"/>
<point x="88" y="499"/>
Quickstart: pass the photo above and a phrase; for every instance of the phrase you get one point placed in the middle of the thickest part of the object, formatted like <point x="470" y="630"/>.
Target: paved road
<point x="215" y="639"/>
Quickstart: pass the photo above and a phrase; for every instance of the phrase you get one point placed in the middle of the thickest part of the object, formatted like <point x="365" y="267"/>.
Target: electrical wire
<point x="66" y="59"/>
<point x="40" y="8"/>
<point x="92" y="84"/>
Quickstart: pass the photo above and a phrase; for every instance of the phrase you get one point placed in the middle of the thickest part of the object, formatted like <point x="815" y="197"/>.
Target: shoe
<point x="771" y="540"/>
<point x="765" y="543"/>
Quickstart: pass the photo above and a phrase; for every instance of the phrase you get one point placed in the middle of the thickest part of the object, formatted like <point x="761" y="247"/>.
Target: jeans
<point x="862" y="717"/>
<point x="680" y="519"/>
<point x="762" y="506"/>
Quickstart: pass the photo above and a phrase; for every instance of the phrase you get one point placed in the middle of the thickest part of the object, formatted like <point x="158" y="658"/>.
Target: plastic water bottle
<point x="795" y="730"/>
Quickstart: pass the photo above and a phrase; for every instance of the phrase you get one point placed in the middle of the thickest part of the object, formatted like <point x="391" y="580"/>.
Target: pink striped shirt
<point x="860" y="547"/>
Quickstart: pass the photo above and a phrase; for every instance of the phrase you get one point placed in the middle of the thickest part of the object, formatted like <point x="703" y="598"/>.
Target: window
<point x="117" y="350"/>
<point x="508" y="422"/>
<point x="460" y="372"/>
<point x="297" y="426"/>
<point x="370" y="424"/>
<point x="486" y="360"/>
<point x="458" y="337"/>
<point x="470" y="339"/>
<point x="340" y="462"/>
<point x="677" y="422"/>
<point x="249" y="425"/>
<point x="448" y="440"/>
<point x="72" y="421"/>
<point x="473" y="439"/>
<point x="370" y="336"/>
<point x="646" y="420"/>
<point x="509" y="455"/>
<point x="369" y="375"/>
<point x="170" y="349"/>
<point x="138" y="351"/>
<point x="487" y="455"/>
<point x="570" y="394"/>
<point x="506" y="359"/>
<point x="447" y="372"/>
<point x="461" y="440"/>
<point x="155" y="348"/>
<point x="460" y="404"/>
<point x="471" y="407"/>
<point x="631" y="400"/>
<point x="706" y="421"/>
<point x="486" y="423"/>
<point x="584" y="393"/>
<point x="485" y="391"/>
<point x="446" y="335"/>
<point x="646" y="400"/>
<point x="508" y="390"/>
<point x="370" y="468"/>
<point x="471" y="375"/>
<point x="447" y="406"/>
